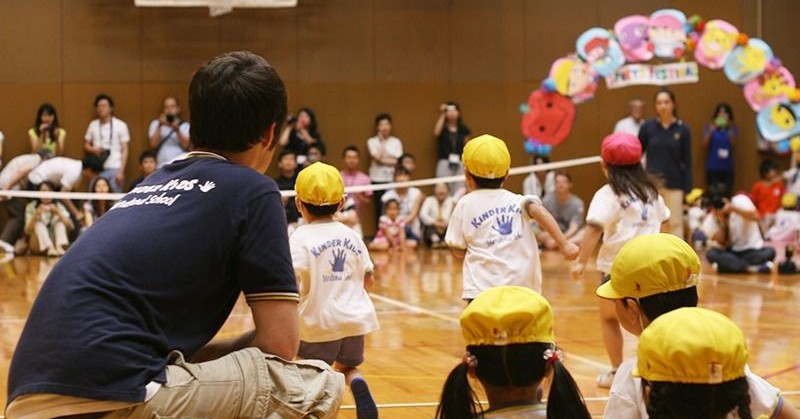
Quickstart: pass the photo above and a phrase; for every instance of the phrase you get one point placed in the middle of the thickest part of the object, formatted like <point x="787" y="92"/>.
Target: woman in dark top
<point x="301" y="132"/>
<point x="720" y="135"/>
<point x="667" y="144"/>
<point x="451" y="134"/>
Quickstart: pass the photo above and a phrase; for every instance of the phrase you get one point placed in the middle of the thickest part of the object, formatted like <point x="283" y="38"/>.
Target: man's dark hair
<point x="351" y="148"/>
<point x="381" y="117"/>
<point x="766" y="166"/>
<point x="318" y="146"/>
<point x="147" y="154"/>
<point x="485" y="183"/>
<point x="285" y="152"/>
<point x="321" y="210"/>
<point x="233" y="100"/>
<point x="92" y="163"/>
<point x="565" y="174"/>
<point x="103" y="96"/>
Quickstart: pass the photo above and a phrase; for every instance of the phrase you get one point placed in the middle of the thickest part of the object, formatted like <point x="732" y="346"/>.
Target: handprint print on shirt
<point x="504" y="225"/>
<point x="337" y="264"/>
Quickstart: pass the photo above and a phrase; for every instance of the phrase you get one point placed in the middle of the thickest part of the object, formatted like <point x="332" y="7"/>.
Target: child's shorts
<point x="348" y="351"/>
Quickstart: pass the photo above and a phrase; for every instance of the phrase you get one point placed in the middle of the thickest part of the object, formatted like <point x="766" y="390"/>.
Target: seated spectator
<point x="697" y="373"/>
<point x="169" y="134"/>
<point x="95" y="208"/>
<point x="287" y="164"/>
<point x="532" y="185"/>
<point x="316" y="152"/>
<point x="47" y="223"/>
<point x="299" y="133"/>
<point x="792" y="176"/>
<point x="408" y="162"/>
<point x="737" y="245"/>
<point x="652" y="276"/>
<point x="392" y="231"/>
<point x="787" y="222"/>
<point x="435" y="215"/>
<point x="695" y="214"/>
<point x="65" y="173"/>
<point x="767" y="192"/>
<point x="410" y="200"/>
<point x="47" y="133"/>
<point x="354" y="177"/>
<point x="147" y="165"/>
<point x="567" y="209"/>
<point x="14" y="177"/>
<point x="511" y="348"/>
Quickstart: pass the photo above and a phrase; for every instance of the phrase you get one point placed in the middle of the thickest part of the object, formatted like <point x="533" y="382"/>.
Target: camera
<point x="170" y="118"/>
<point x="714" y="201"/>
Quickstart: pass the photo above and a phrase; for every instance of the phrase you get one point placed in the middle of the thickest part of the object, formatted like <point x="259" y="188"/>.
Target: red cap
<point x="621" y="149"/>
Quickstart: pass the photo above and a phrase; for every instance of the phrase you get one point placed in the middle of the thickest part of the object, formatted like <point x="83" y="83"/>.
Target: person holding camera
<point x="169" y="134"/>
<point x="107" y="137"/>
<point x="451" y="135"/>
<point x="299" y="133"/>
<point x="736" y="242"/>
<point x="46" y="133"/>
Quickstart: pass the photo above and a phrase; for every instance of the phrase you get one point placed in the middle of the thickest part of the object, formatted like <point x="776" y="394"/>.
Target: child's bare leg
<point x="612" y="334"/>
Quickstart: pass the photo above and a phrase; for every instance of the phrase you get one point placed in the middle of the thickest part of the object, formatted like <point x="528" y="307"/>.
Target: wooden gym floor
<point x="417" y="298"/>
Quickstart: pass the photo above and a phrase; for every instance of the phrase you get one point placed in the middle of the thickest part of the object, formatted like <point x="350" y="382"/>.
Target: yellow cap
<point x="649" y="265"/>
<point x="693" y="195"/>
<point x="320" y="184"/>
<point x="789" y="200"/>
<point x="691" y="345"/>
<point x="486" y="156"/>
<point x="507" y="315"/>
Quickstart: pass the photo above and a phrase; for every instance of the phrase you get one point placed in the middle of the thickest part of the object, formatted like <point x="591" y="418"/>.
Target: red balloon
<point x="549" y="118"/>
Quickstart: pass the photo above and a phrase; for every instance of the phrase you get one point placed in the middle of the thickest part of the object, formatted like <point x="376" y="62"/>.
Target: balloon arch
<point x="619" y="57"/>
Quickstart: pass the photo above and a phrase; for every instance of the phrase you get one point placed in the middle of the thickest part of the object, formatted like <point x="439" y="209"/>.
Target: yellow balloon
<point x="794" y="144"/>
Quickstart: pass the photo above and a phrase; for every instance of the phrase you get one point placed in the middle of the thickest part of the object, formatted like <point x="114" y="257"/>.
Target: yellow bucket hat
<point x="649" y="265"/>
<point x="692" y="345"/>
<point x="507" y="315"/>
<point x="789" y="200"/>
<point x="486" y="156"/>
<point x="693" y="195"/>
<point x="320" y="184"/>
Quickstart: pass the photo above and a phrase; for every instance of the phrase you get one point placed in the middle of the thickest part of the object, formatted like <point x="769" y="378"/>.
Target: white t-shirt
<point x="622" y="218"/>
<point x="625" y="398"/>
<point x="495" y="230"/>
<point x="532" y="186"/>
<point x="431" y="210"/>
<point x="519" y="412"/>
<point x="330" y="261"/>
<point x="17" y="165"/>
<point x="792" y="180"/>
<point x="785" y="229"/>
<point x="64" y="172"/>
<point x="390" y="147"/>
<point x="168" y="138"/>
<point x="629" y="126"/>
<point x="109" y="136"/>
<point x="743" y="233"/>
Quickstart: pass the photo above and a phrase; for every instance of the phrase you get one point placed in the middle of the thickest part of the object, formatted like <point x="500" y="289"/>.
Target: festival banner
<point x="658" y="75"/>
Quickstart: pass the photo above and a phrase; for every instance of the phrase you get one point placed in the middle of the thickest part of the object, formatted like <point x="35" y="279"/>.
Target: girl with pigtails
<point x="510" y="349"/>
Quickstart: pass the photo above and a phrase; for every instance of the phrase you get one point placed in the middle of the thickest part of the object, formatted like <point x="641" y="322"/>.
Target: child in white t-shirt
<point x="490" y="226"/>
<point x="333" y="271"/>
<point x="628" y="206"/>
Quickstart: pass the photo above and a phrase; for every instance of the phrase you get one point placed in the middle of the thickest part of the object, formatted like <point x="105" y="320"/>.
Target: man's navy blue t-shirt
<point x="160" y="271"/>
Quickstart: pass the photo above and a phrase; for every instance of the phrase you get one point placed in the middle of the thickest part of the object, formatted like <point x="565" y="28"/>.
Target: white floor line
<point x="761" y="285"/>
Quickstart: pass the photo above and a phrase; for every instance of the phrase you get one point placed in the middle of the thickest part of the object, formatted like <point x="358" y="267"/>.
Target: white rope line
<point x="85" y="196"/>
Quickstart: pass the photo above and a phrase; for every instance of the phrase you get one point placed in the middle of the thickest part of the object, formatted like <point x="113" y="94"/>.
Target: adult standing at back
<point x="451" y="135"/>
<point x="718" y="140"/>
<point x="169" y="134"/>
<point x="121" y="327"/>
<point x="107" y="137"/>
<point x="384" y="150"/>
<point x="300" y="133"/>
<point x="667" y="144"/>
<point x="632" y="123"/>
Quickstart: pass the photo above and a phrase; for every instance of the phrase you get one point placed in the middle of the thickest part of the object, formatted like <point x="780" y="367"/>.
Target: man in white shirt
<point x="107" y="137"/>
<point x="65" y="173"/>
<point x="737" y="245"/>
<point x="169" y="134"/>
<point x="634" y="120"/>
<point x="13" y="177"/>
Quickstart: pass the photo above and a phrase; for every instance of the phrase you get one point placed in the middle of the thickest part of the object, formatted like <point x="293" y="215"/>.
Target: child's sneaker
<point x="365" y="405"/>
<point x="605" y="379"/>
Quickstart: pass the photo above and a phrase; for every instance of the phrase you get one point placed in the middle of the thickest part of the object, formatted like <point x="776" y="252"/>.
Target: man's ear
<point x="270" y="138"/>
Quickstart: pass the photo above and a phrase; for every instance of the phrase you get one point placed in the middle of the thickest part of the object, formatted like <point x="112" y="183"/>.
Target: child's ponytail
<point x="458" y="398"/>
<point x="565" y="400"/>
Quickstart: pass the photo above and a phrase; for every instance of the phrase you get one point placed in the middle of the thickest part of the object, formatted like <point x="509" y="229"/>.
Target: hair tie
<point x="469" y="359"/>
<point x="551" y="355"/>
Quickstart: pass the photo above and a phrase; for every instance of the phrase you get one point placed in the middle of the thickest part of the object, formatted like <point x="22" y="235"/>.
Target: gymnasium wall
<point x="351" y="59"/>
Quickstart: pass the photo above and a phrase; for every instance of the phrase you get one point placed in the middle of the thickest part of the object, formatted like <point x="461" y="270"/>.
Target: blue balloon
<point x="530" y="147"/>
<point x="782" y="147"/>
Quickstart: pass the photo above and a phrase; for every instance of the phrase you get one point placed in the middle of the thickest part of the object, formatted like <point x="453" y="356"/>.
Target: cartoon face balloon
<point x="778" y="121"/>
<point x="667" y="32"/>
<point x="748" y="62"/>
<point x="598" y="48"/>
<point x="549" y="118"/>
<point x="718" y="39"/>
<point x="631" y="34"/>
<point x="773" y="86"/>
<point x="574" y="78"/>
